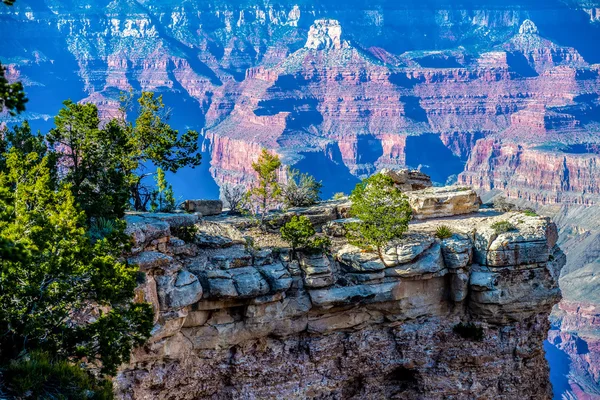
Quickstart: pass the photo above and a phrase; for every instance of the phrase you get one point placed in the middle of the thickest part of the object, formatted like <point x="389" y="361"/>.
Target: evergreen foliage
<point x="383" y="212"/>
<point x="39" y="376"/>
<point x="152" y="140"/>
<point x="503" y="227"/>
<point x="297" y="232"/>
<point x="163" y="198"/>
<point x="443" y="232"/>
<point x="266" y="192"/>
<point x="91" y="159"/>
<point x="300" y="234"/>
<point x="62" y="274"/>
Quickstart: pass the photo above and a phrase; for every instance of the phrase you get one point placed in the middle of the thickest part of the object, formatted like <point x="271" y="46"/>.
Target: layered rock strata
<point x="242" y="318"/>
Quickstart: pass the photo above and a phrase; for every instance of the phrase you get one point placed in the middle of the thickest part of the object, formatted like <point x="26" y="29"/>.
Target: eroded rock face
<point x="203" y="207"/>
<point x="238" y="322"/>
<point x="407" y="179"/>
<point x="324" y="34"/>
<point x="443" y="202"/>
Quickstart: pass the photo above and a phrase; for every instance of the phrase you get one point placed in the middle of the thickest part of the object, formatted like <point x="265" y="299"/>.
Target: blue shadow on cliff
<point x="559" y="369"/>
<point x="433" y="157"/>
<point x="330" y="170"/>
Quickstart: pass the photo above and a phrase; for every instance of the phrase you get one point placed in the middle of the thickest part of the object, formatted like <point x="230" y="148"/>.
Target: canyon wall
<point x="239" y="321"/>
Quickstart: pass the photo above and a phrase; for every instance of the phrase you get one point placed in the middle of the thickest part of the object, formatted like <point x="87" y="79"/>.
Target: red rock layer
<point x="527" y="173"/>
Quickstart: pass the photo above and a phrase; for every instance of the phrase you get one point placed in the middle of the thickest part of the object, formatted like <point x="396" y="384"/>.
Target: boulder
<point x="277" y="276"/>
<point x="408" y="180"/>
<point x="179" y="290"/>
<point x="230" y="257"/>
<point x="457" y="251"/>
<point x="353" y="259"/>
<point x="352" y="295"/>
<point x="429" y="263"/>
<point x="149" y="260"/>
<point x="445" y="201"/>
<point x="203" y="207"/>
<point x="526" y="244"/>
<point x="144" y="230"/>
<point x="317" y="270"/>
<point x="220" y="284"/>
<point x="249" y="282"/>
<point x="217" y="235"/>
<point x="459" y="286"/>
<point x="407" y="248"/>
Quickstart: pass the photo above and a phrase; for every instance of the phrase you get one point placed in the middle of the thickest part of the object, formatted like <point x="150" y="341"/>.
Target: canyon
<point x="502" y="96"/>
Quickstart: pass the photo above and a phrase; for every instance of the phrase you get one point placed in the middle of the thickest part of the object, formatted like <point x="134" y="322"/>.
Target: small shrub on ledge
<point x="503" y="227"/>
<point x="301" y="189"/>
<point x="443" y="232"/>
<point x="469" y="331"/>
<point x="530" y="213"/>
<point x="185" y="233"/>
<point x="300" y="234"/>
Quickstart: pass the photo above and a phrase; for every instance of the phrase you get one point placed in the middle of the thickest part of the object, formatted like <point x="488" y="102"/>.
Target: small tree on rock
<point x="383" y="211"/>
<point x="301" y="189"/>
<point x="267" y="192"/>
<point x="233" y="197"/>
<point x="297" y="232"/>
<point x="163" y="198"/>
<point x="300" y="234"/>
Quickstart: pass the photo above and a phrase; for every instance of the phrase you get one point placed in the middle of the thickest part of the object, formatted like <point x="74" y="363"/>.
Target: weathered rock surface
<point x="203" y="207"/>
<point x="408" y="180"/>
<point x="236" y="322"/>
<point x="443" y="202"/>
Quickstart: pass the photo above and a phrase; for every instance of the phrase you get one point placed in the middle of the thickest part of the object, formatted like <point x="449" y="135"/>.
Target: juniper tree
<point x="150" y="139"/>
<point x="383" y="211"/>
<point x="92" y="159"/>
<point x="266" y="191"/>
<point x="61" y="276"/>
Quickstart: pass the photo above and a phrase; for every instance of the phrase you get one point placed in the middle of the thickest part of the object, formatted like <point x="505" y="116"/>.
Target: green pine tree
<point x="61" y="276"/>
<point x="267" y="191"/>
<point x="383" y="211"/>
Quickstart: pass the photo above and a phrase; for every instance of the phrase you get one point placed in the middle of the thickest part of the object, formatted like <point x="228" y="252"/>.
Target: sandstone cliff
<point x="235" y="320"/>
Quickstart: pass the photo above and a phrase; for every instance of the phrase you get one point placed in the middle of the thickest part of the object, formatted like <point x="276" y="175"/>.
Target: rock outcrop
<point x="238" y="317"/>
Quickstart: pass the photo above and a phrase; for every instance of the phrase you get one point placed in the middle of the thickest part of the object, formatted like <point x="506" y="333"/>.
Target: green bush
<point x="530" y="213"/>
<point x="469" y="331"/>
<point x="383" y="211"/>
<point x="503" y="226"/>
<point x="297" y="232"/>
<point x="186" y="233"/>
<point x="38" y="376"/>
<point x="443" y="232"/>
<point x="318" y="244"/>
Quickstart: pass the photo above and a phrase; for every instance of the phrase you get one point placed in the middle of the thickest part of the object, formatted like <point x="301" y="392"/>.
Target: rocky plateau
<point x="237" y="315"/>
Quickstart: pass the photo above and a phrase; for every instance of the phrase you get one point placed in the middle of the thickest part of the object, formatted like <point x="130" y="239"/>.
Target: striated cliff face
<point x="234" y="321"/>
<point x="337" y="89"/>
<point x="534" y="173"/>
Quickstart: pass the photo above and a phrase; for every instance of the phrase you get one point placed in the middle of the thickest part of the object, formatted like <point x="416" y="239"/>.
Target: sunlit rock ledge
<point x="236" y="317"/>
